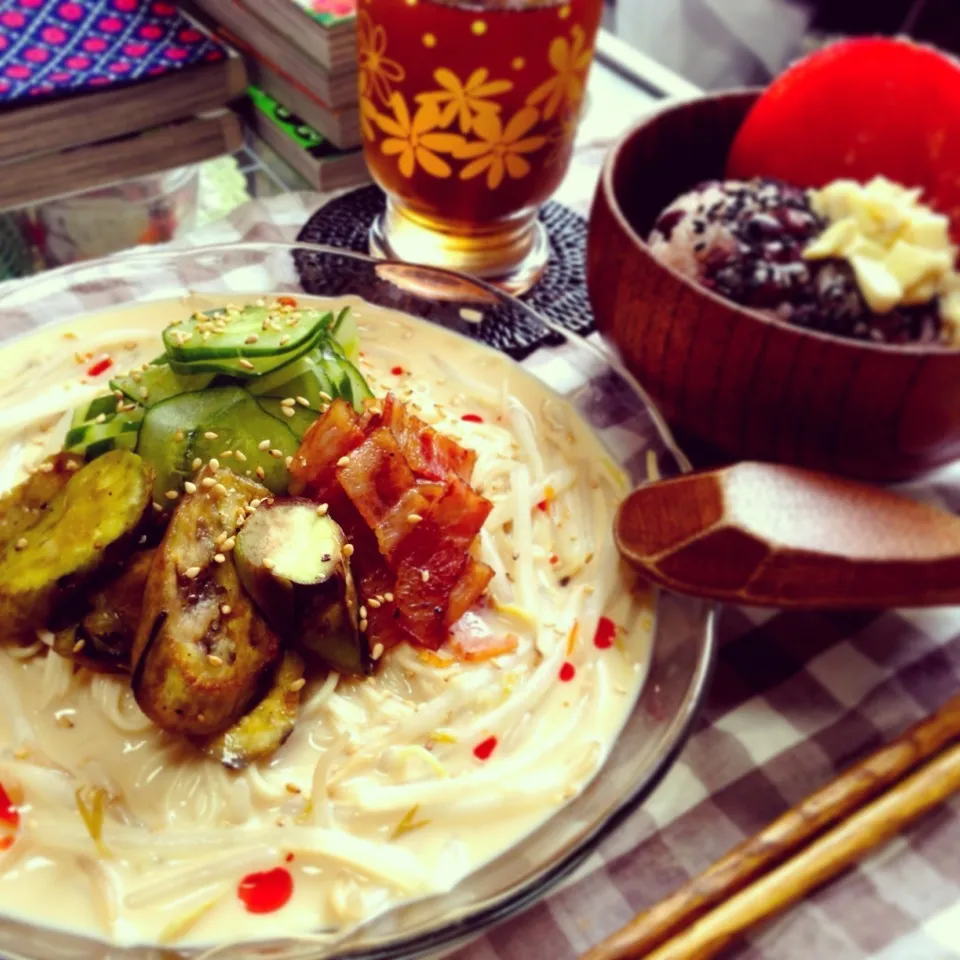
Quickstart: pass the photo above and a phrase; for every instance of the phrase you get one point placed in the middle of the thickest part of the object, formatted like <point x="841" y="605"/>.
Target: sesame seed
<point x="414" y="518"/>
<point x="207" y="482"/>
<point x="219" y="558"/>
<point x="46" y="467"/>
<point x="118" y="394"/>
<point x="288" y="462"/>
<point x="298" y="685"/>
<point x="293" y="788"/>
<point x="144" y="392"/>
<point x="214" y="660"/>
<point x="226" y="454"/>
<point x="197" y="463"/>
<point x="276" y="454"/>
<point x="288" y="411"/>
<point x="326" y="396"/>
<point x="287" y="402"/>
<point x="79" y="645"/>
<point x="377" y="652"/>
<point x="100" y="418"/>
<point x="229" y="544"/>
<point x="253" y="338"/>
<point x="210" y="435"/>
<point x="343" y="461"/>
<point x="303" y="401"/>
<point x="219" y="489"/>
<point x="192" y="572"/>
<point x="261" y="473"/>
<point x="73" y="465"/>
<point x="348" y="549"/>
<point x="214" y="463"/>
<point x="284" y="340"/>
<point x="374" y="603"/>
<point x="363" y="612"/>
<point x="240" y="455"/>
<point x="363" y="625"/>
<point x="171" y="494"/>
<point x="225" y="609"/>
<point x="424" y="576"/>
<point x="323" y="509"/>
<point x="263" y="445"/>
<point x="190" y="486"/>
<point x="157" y="507"/>
<point x="245" y="363"/>
<point x="21" y="543"/>
<point x="388" y="597"/>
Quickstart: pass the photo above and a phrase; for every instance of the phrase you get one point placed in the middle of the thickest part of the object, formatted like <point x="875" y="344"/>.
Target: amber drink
<point x="469" y="112"/>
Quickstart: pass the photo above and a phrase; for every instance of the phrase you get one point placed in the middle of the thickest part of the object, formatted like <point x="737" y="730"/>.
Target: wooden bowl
<point x="741" y="383"/>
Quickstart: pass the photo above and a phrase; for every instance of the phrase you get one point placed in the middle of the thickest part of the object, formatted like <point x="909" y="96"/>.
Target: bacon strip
<point x="401" y="493"/>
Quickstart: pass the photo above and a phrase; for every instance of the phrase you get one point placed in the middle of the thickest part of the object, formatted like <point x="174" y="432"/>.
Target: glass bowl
<point x="607" y="398"/>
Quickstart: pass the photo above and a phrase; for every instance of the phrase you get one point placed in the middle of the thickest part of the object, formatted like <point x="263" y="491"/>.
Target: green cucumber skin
<point x="232" y="343"/>
<point x="237" y="423"/>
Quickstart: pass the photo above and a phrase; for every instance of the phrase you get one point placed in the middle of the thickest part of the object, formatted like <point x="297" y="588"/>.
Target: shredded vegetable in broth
<point x="389" y="788"/>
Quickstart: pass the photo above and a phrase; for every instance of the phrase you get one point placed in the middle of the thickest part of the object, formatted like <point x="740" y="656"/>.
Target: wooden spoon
<point x="774" y="536"/>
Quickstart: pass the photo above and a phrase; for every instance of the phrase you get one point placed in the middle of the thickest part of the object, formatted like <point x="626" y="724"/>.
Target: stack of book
<point x="92" y="93"/>
<point x="301" y="57"/>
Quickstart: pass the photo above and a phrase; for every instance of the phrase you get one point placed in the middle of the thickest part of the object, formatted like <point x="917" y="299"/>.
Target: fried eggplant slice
<point x="201" y="647"/>
<point x="91" y="524"/>
<point x="266" y="728"/>
<point x="291" y="561"/>
<point x="109" y="628"/>
<point x="22" y="507"/>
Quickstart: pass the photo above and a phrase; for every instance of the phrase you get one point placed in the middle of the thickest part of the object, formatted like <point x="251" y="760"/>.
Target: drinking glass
<point x="469" y="110"/>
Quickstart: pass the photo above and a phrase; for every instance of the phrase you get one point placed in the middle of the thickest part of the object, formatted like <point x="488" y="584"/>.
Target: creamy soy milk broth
<point x="389" y="788"/>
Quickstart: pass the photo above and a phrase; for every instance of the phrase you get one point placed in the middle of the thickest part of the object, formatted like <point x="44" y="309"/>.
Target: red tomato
<point x="858" y="109"/>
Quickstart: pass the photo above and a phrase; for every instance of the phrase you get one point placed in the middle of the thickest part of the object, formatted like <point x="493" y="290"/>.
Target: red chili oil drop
<point x="286" y="301"/>
<point x="483" y="750"/>
<point x="543" y="505"/>
<point x="567" y="672"/>
<point x="554" y="559"/>
<point x="6" y="843"/>
<point x="605" y="635"/>
<point x="8" y="812"/>
<point x="266" y="892"/>
<point x="289" y="858"/>
<point x="472" y="418"/>
<point x="397" y="371"/>
<point x="101" y="366"/>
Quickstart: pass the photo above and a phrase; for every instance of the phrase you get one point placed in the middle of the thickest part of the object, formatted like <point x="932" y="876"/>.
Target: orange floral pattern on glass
<point x="465" y="101"/>
<point x="570" y="59"/>
<point x="378" y="72"/>
<point x="500" y="150"/>
<point x="414" y="140"/>
<point x="479" y="124"/>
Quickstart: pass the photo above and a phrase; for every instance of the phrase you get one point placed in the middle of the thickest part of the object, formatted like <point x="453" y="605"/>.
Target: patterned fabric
<point x="796" y="698"/>
<point x="53" y="47"/>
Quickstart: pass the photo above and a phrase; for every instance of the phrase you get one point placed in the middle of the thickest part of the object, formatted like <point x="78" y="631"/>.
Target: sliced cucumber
<point x="245" y="343"/>
<point x="347" y="334"/>
<point x="298" y="423"/>
<point x="304" y="377"/>
<point x="158" y="383"/>
<point x="243" y="426"/>
<point x="106" y="406"/>
<point x="204" y="425"/>
<point x="117" y="431"/>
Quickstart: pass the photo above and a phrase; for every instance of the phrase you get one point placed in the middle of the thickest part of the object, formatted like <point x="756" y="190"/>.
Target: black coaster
<point x="560" y="296"/>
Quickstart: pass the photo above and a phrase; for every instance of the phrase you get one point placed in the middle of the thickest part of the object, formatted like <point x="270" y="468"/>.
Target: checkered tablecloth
<point x="795" y="699"/>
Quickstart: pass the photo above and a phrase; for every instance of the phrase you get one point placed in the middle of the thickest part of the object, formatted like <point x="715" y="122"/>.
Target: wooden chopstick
<point x="823" y="860"/>
<point x="783" y="838"/>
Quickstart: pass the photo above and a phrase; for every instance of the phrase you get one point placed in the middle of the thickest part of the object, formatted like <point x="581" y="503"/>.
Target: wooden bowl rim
<point x="610" y="166"/>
